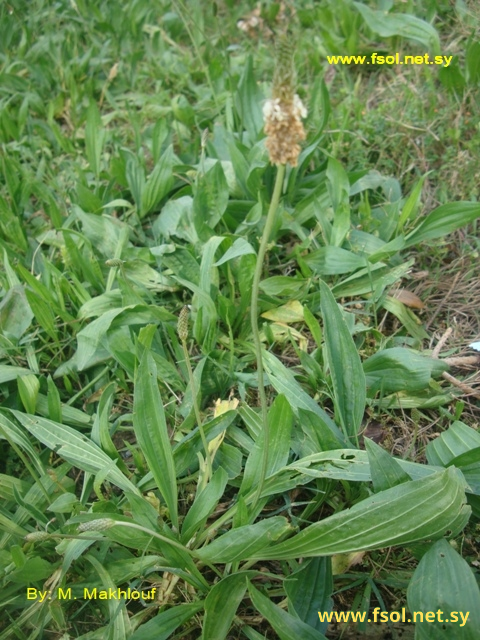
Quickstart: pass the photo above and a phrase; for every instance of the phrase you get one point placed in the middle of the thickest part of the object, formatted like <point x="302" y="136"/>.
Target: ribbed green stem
<point x="277" y="191"/>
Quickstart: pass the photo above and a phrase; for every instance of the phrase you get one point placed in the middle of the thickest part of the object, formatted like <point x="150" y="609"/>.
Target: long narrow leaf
<point x="459" y="446"/>
<point x="166" y="622"/>
<point x="221" y="605"/>
<point x="283" y="380"/>
<point x="346" y="369"/>
<point x="75" y="448"/>
<point x="280" y="418"/>
<point x="158" y="184"/>
<point x="309" y="591"/>
<point x="152" y="433"/>
<point x="385" y="470"/>
<point x="444" y="581"/>
<point x="339" y="189"/>
<point x="444" y="220"/>
<point x="341" y="464"/>
<point x="413" y="511"/>
<point x="244" y="542"/>
<point x="205" y="503"/>
<point x="119" y="621"/>
<point x="11" y="432"/>
<point x="285" y="625"/>
<point x="400" y="24"/>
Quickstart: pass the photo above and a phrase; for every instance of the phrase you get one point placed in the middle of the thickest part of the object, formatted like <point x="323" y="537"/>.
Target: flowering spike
<point x="284" y="112"/>
<point x="36" y="536"/>
<point x="182" y="326"/>
<point x="114" y="262"/>
<point x="101" y="524"/>
<point x="285" y="75"/>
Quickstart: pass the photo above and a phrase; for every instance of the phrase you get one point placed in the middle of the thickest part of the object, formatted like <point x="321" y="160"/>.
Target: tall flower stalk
<point x="283" y="115"/>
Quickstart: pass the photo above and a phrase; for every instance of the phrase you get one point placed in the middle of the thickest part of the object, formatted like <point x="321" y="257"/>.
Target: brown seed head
<point x="284" y="112"/>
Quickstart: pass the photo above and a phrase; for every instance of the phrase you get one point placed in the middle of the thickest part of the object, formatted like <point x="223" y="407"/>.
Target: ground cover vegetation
<point x="157" y="265"/>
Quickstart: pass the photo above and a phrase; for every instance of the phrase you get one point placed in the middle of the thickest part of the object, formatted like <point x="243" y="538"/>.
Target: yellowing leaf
<point x="341" y="562"/>
<point x="282" y="333"/>
<point x="222" y="406"/>
<point x="287" y="313"/>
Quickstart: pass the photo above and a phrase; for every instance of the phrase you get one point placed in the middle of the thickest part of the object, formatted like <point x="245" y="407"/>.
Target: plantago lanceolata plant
<point x="283" y="115"/>
<point x="123" y="464"/>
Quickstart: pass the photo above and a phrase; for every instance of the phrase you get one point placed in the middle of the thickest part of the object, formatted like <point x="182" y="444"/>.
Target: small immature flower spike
<point x="101" y="524"/>
<point x="114" y="262"/>
<point x="37" y="536"/>
<point x="284" y="112"/>
<point x="182" y="326"/>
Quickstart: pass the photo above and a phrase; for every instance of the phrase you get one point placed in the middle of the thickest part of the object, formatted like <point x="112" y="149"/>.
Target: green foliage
<point x="134" y="180"/>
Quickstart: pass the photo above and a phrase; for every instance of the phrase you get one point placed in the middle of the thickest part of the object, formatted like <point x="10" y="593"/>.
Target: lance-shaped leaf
<point x="159" y="183"/>
<point x="410" y="512"/>
<point x="309" y="591"/>
<point x="443" y="220"/>
<point x="166" y="622"/>
<point x="400" y="369"/>
<point x="339" y="190"/>
<point x="221" y="605"/>
<point x="95" y="135"/>
<point x="331" y="260"/>
<point x="119" y="620"/>
<point x="285" y="625"/>
<point x="152" y="434"/>
<point x="75" y="448"/>
<point x="444" y="582"/>
<point x="280" y="418"/>
<point x="398" y="24"/>
<point x="205" y="503"/>
<point x="248" y="101"/>
<point x="458" y="440"/>
<point x="239" y="248"/>
<point x="283" y="380"/>
<point x="459" y="445"/>
<point x="346" y="369"/>
<point x="386" y="472"/>
<point x="341" y="464"/>
<point x="244" y="542"/>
